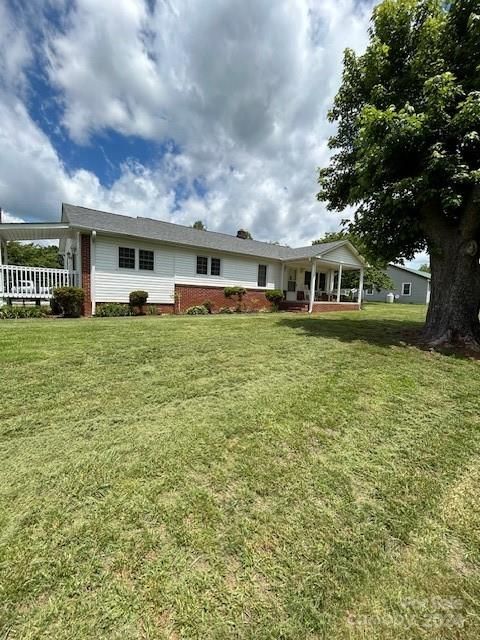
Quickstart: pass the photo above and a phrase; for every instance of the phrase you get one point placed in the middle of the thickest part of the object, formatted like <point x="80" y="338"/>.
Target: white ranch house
<point x="110" y="255"/>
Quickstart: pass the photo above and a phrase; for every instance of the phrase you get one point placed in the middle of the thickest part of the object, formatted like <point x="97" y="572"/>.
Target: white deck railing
<point x="33" y="283"/>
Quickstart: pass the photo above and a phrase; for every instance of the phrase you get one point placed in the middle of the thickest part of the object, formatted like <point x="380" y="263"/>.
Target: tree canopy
<point x="32" y="255"/>
<point x="198" y="224"/>
<point x="406" y="153"/>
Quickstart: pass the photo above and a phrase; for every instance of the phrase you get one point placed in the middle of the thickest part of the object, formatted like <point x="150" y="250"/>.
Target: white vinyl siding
<point x="171" y="265"/>
<point x="113" y="284"/>
<point x="234" y="271"/>
<point x="343" y="254"/>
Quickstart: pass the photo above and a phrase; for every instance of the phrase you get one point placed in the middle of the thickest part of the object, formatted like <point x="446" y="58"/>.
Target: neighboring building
<point x="110" y="255"/>
<point x="409" y="286"/>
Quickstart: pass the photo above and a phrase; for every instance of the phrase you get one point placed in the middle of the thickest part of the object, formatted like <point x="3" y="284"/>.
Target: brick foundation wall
<point x="334" y="306"/>
<point x="165" y="308"/>
<point x="319" y="307"/>
<point x="191" y="295"/>
<point x="85" y="275"/>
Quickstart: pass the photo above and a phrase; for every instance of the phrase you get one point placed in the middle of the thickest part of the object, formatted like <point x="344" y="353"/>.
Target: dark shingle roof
<point x="182" y="235"/>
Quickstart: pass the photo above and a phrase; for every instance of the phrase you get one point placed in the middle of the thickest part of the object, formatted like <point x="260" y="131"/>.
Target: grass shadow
<point x="381" y="332"/>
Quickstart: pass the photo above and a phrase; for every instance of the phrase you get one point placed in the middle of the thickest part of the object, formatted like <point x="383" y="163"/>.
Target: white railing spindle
<point x="34" y="283"/>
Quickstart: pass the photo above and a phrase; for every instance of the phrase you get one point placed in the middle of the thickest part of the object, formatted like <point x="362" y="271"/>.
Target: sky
<point x="174" y="109"/>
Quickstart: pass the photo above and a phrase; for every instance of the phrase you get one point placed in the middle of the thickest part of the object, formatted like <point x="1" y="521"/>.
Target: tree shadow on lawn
<point x="382" y="332"/>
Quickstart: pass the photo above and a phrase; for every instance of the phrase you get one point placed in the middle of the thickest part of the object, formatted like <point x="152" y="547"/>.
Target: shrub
<point x="69" y="300"/>
<point x="113" y="310"/>
<point x="226" y="310"/>
<point x="13" y="312"/>
<point x="235" y="292"/>
<point x="198" y="310"/>
<point x="138" y="299"/>
<point x="275" y="297"/>
<point x="55" y="307"/>
<point x="152" y="310"/>
<point x="208" y="304"/>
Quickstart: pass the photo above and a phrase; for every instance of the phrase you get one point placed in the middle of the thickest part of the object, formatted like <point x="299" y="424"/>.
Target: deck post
<point x="312" y="286"/>
<point x="339" y="283"/>
<point x="360" y="288"/>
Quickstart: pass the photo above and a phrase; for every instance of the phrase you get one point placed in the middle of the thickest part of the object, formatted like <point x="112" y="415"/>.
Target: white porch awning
<point x="34" y="231"/>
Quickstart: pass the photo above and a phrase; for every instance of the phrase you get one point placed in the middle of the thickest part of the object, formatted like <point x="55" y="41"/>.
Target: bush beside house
<point x="68" y="301"/>
<point x="138" y="300"/>
<point x="17" y="312"/>
<point x="275" y="297"/>
<point x="113" y="310"/>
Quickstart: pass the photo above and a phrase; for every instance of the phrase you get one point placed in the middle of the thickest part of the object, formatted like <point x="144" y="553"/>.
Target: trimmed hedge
<point x="138" y="300"/>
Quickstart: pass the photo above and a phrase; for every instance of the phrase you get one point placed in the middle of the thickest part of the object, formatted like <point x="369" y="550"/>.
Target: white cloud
<point x="242" y="85"/>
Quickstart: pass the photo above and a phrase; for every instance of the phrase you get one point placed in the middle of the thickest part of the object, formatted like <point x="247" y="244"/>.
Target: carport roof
<point x="34" y="231"/>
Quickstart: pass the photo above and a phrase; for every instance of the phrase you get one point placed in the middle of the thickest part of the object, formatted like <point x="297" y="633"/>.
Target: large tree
<point x="407" y="151"/>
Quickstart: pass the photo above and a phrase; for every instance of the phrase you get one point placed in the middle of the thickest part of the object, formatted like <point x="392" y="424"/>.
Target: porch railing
<point x="33" y="283"/>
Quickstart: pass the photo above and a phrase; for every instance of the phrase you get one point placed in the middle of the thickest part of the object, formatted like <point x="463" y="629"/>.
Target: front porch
<point x="315" y="285"/>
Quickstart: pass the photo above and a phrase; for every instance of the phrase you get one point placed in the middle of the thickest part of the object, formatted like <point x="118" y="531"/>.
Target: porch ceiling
<point x="34" y="231"/>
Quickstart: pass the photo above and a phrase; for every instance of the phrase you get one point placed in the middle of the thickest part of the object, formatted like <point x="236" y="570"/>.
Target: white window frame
<point x="369" y="292"/>
<point x="409" y="290"/>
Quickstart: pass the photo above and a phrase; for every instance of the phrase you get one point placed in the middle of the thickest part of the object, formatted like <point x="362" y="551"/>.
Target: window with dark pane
<point x="262" y="275"/>
<point x="126" y="258"/>
<point x="145" y="260"/>
<point x="202" y="265"/>
<point x="215" y="266"/>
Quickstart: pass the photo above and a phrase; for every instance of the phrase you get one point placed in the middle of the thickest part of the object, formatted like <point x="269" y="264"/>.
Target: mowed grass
<point x="256" y="477"/>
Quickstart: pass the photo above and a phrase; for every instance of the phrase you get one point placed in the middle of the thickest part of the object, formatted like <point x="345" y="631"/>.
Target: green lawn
<point x="272" y="476"/>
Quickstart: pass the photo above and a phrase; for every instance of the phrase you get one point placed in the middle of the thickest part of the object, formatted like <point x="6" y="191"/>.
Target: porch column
<point x="312" y="286"/>
<point x="331" y="282"/>
<point x="339" y="283"/>
<point x="360" y="287"/>
<point x="282" y="271"/>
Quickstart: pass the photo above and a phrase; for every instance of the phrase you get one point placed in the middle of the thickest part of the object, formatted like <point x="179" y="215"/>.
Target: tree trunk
<point x="452" y="317"/>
